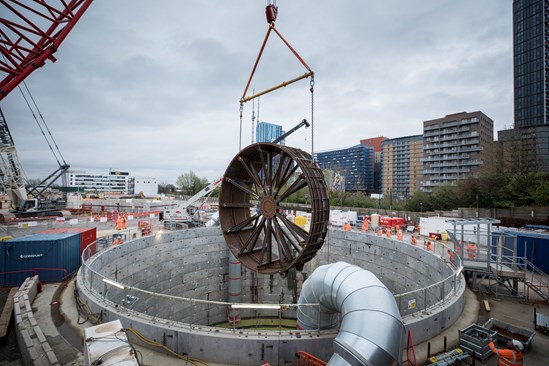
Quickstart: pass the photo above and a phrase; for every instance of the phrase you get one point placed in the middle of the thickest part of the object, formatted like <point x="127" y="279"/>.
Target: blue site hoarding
<point x="50" y="256"/>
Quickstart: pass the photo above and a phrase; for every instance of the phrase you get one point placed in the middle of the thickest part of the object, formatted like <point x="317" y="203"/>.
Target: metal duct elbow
<point x="371" y="329"/>
<point x="214" y="220"/>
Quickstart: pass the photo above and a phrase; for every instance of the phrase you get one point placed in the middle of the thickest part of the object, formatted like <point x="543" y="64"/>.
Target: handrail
<point x="447" y="285"/>
<point x="33" y="272"/>
<point x="88" y="271"/>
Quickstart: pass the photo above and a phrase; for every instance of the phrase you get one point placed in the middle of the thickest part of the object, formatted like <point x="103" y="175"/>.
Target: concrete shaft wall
<point x="194" y="264"/>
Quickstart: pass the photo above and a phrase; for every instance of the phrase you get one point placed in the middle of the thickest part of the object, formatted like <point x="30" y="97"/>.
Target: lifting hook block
<point x="271" y="11"/>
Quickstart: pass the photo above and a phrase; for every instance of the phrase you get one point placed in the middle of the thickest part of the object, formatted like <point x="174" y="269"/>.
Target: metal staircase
<point x="495" y="259"/>
<point x="537" y="281"/>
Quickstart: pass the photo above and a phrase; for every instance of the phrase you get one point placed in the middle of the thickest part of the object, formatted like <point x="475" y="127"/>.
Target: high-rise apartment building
<point x="454" y="147"/>
<point x="267" y="132"/>
<point x="376" y="142"/>
<point x="526" y="147"/>
<point x="355" y="166"/>
<point x="401" y="166"/>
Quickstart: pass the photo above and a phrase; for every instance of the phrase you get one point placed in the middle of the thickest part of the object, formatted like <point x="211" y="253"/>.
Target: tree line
<point x="490" y="189"/>
<point x="187" y="184"/>
<point x="487" y="191"/>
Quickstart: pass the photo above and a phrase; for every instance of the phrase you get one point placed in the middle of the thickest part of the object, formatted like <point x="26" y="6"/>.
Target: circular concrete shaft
<point x="267" y="176"/>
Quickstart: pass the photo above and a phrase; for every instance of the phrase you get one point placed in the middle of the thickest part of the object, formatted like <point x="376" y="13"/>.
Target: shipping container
<point x="87" y="236"/>
<point x="53" y="257"/>
<point x="532" y="244"/>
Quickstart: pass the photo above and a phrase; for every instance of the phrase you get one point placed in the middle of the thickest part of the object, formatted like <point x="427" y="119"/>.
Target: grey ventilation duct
<point x="371" y="329"/>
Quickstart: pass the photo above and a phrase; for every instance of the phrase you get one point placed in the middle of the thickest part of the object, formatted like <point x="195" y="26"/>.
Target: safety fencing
<point x="433" y="295"/>
<point x="202" y="311"/>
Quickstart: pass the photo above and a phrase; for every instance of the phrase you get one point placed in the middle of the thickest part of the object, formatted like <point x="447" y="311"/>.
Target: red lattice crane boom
<point x="31" y="31"/>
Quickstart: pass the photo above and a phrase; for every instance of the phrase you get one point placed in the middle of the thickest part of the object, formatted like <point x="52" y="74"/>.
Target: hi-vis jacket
<point x="507" y="357"/>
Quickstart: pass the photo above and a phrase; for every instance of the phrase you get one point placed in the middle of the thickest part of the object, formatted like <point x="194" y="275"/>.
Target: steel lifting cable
<point x="271" y="12"/>
<point x="312" y="90"/>
<point x="240" y="137"/>
<point x="41" y="117"/>
<point x="40" y="126"/>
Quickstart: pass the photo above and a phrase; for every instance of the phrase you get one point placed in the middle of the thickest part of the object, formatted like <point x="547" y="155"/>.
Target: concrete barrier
<point x="34" y="347"/>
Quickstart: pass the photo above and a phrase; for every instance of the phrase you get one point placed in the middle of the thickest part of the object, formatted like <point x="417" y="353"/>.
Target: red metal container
<point x="392" y="222"/>
<point x="87" y="236"/>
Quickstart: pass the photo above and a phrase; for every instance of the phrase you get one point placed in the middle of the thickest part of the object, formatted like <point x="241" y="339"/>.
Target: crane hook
<point x="271" y="11"/>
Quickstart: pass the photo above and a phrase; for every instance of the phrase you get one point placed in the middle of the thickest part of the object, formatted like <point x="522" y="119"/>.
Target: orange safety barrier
<point x="306" y="359"/>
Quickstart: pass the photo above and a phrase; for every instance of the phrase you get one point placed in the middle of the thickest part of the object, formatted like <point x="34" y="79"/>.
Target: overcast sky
<point x="153" y="87"/>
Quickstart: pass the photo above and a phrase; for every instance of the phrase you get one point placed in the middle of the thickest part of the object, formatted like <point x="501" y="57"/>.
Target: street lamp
<point x="421" y="206"/>
<point x="477" y="204"/>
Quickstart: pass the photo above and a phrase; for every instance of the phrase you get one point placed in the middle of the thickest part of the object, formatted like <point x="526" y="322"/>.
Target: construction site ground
<point x="56" y="312"/>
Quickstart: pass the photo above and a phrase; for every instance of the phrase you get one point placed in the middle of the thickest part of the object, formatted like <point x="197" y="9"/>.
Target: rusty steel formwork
<point x="255" y="196"/>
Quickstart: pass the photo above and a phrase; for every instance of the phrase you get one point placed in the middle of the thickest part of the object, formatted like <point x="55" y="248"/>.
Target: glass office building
<point x="531" y="50"/>
<point x="267" y="132"/>
<point x="354" y="164"/>
<point x="526" y="147"/>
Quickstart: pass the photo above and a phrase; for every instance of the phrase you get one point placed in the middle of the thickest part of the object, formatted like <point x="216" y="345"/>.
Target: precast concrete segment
<point x="371" y="329"/>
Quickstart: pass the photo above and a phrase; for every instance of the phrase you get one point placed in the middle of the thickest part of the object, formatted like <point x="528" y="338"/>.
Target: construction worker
<point x="451" y="256"/>
<point x="124" y="222"/>
<point x="414" y="240"/>
<point x="379" y="232"/>
<point x="457" y="248"/>
<point x="118" y="223"/>
<point x="364" y="225"/>
<point x="471" y="249"/>
<point x="399" y="234"/>
<point x="511" y="356"/>
<point x="429" y="246"/>
<point x="347" y="226"/>
<point x="117" y="241"/>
